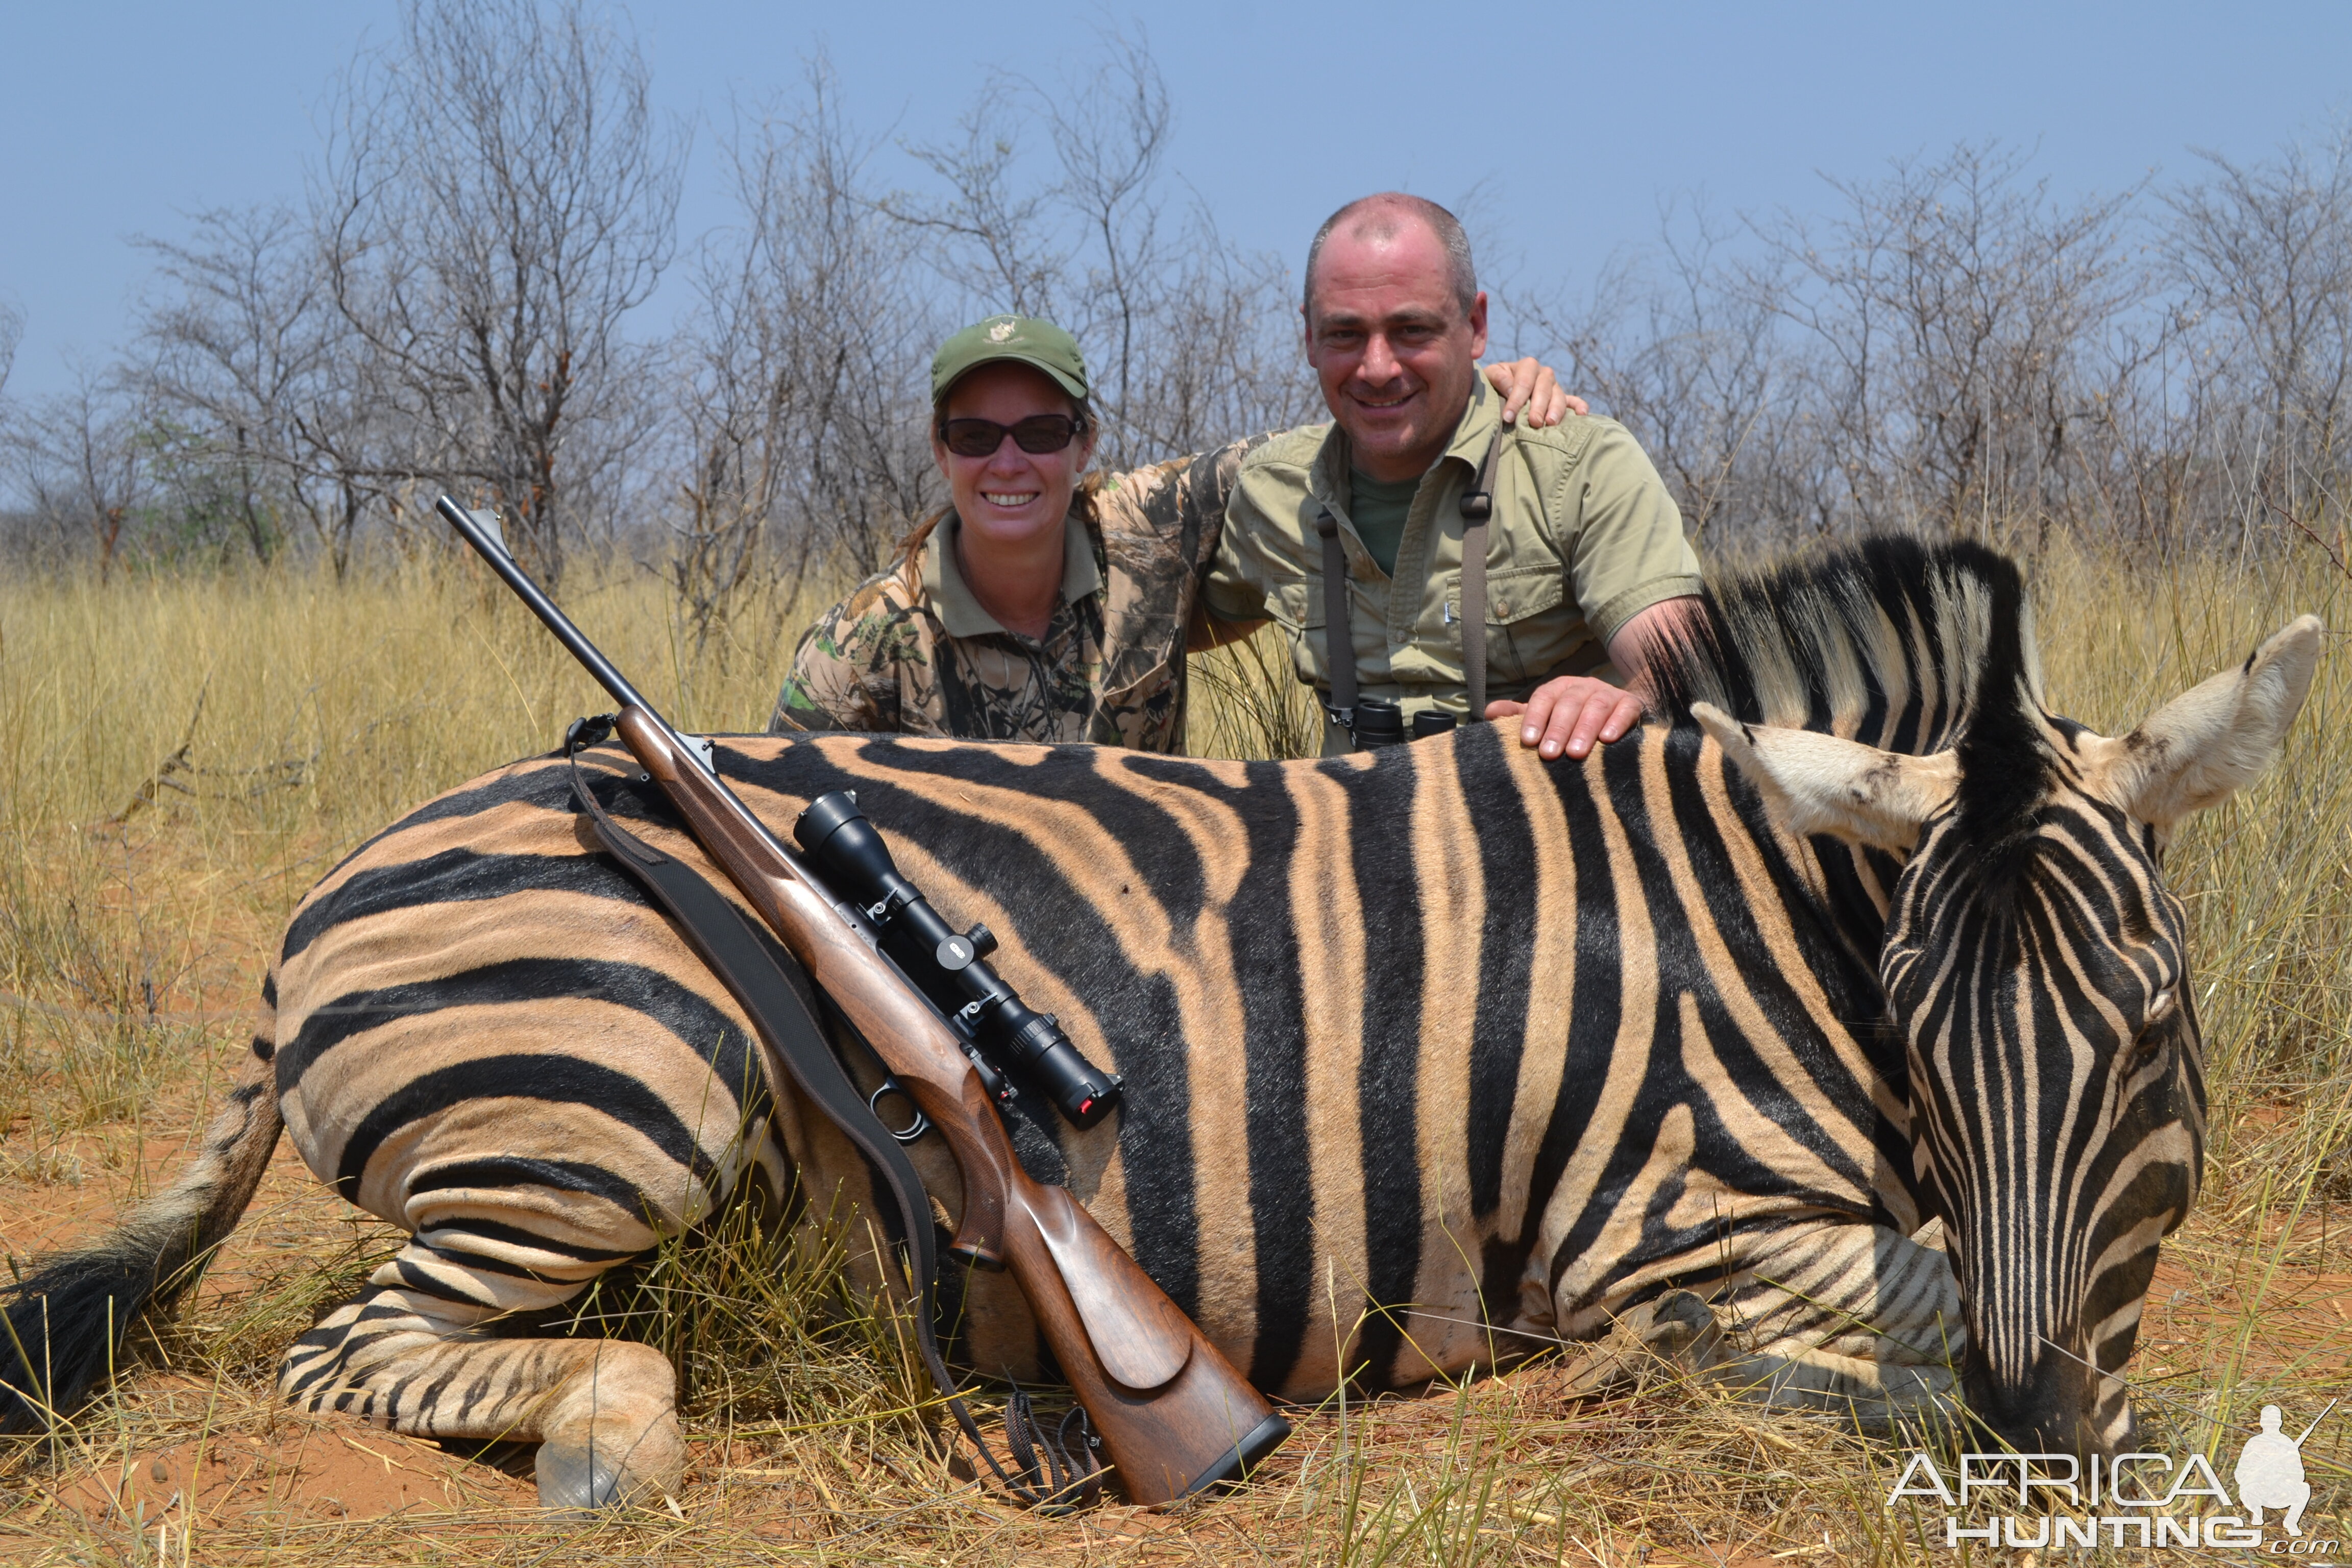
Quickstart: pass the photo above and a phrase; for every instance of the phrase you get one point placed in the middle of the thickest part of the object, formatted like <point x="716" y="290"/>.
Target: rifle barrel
<point x="573" y="639"/>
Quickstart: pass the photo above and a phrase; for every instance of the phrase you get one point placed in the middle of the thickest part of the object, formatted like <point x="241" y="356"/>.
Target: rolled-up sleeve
<point x="1234" y="584"/>
<point x="1629" y="552"/>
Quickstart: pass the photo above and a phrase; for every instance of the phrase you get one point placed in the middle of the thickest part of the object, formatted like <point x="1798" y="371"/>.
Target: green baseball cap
<point x="1024" y="339"/>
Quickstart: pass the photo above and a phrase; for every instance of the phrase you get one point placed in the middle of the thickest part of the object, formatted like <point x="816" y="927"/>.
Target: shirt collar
<point x="1328" y="481"/>
<point x="960" y="612"/>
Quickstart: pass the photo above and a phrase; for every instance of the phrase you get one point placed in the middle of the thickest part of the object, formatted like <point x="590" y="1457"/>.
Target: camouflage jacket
<point x="913" y="652"/>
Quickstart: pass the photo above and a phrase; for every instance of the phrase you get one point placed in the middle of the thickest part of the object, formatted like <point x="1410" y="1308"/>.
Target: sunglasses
<point x="1037" y="433"/>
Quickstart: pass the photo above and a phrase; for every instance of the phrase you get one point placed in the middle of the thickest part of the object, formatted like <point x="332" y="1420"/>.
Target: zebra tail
<point x="62" y="1323"/>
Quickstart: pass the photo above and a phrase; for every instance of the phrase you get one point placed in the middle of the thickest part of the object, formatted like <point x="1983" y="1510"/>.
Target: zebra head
<point x="2036" y="966"/>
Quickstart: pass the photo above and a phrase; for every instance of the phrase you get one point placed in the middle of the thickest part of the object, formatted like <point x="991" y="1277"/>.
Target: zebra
<point x="1434" y="1055"/>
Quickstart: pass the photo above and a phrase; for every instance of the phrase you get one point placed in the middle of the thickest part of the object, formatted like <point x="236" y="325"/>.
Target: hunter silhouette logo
<point x="2145" y="1499"/>
<point x="2269" y="1471"/>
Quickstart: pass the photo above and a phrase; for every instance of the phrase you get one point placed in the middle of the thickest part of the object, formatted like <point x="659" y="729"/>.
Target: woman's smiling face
<point x="1010" y="496"/>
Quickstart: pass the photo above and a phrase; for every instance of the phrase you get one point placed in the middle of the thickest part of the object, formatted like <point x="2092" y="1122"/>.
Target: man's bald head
<point x="1394" y="328"/>
<point x="1379" y="218"/>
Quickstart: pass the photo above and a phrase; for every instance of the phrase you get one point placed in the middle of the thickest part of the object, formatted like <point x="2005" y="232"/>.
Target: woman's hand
<point x="1526" y="383"/>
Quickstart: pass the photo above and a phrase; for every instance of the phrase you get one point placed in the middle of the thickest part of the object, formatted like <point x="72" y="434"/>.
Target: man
<point x="2270" y="1474"/>
<point x="1586" y="567"/>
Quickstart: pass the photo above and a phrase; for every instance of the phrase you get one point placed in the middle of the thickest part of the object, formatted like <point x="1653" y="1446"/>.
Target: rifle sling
<point x="775" y="992"/>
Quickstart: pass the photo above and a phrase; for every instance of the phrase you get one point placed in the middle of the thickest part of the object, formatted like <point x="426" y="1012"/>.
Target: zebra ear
<point x="1819" y="783"/>
<point x="2213" y="738"/>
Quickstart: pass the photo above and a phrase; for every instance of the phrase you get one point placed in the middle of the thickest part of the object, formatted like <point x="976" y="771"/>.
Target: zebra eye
<point x="2151" y="1030"/>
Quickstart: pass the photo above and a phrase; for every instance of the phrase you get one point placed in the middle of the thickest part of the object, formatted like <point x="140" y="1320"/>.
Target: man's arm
<point x="1564" y="716"/>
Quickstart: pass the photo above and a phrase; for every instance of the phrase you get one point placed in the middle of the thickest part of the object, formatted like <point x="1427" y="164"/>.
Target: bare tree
<point x="497" y="198"/>
<point x="11" y="333"/>
<point x="1959" y="311"/>
<point x="77" y="461"/>
<point x="1690" y="356"/>
<point x="241" y="342"/>
<point x="1955" y="349"/>
<point x="805" y="411"/>
<point x="988" y="240"/>
<point x="2264" y="253"/>
<point x="1951" y="347"/>
<point x="1190" y="341"/>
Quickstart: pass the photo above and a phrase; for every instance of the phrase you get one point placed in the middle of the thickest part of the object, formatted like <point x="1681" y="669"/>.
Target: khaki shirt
<point x="1583" y="538"/>
<point x="921" y="657"/>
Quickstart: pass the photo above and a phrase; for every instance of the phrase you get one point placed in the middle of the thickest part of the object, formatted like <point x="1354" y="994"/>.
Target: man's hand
<point x="1564" y="716"/>
<point x="1525" y="383"/>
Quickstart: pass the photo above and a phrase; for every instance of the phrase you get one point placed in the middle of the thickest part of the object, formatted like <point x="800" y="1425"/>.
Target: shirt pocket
<point x="1299" y="606"/>
<point x="1530" y="625"/>
<point x="1297" y="609"/>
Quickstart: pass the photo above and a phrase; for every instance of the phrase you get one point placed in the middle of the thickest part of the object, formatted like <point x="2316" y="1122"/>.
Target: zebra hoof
<point x="574" y="1477"/>
<point x="1681" y="1330"/>
<point x="1665" y="1338"/>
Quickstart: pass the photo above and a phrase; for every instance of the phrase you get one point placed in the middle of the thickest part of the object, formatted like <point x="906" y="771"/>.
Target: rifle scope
<point x="948" y="963"/>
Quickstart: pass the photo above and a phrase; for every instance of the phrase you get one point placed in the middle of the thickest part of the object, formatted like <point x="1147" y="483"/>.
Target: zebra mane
<point x="1902" y="644"/>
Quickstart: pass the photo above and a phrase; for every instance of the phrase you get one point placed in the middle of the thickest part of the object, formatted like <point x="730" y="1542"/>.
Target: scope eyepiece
<point x="1037" y="1043"/>
<point x="949" y="964"/>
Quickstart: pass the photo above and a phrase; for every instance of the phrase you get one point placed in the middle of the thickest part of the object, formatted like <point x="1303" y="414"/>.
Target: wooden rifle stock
<point x="1172" y="1413"/>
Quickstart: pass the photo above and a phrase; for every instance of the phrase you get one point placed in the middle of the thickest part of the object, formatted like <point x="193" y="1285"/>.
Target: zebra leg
<point x="420" y="1352"/>
<point x="1848" y="1319"/>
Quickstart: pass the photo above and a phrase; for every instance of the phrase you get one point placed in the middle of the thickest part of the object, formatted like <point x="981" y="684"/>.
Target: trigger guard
<point x="913" y="1130"/>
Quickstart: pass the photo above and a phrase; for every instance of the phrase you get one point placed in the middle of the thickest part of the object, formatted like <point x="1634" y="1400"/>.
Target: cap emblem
<point x="1000" y="332"/>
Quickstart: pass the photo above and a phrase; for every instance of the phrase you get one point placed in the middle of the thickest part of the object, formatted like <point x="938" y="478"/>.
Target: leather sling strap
<point x="774" y="991"/>
<point x="1340" y="642"/>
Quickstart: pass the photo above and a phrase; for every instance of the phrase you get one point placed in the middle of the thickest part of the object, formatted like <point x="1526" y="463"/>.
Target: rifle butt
<point x="1174" y="1416"/>
<point x="1204" y="1430"/>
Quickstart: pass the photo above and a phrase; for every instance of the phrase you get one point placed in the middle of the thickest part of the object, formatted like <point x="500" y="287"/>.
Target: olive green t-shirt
<point x="1379" y="508"/>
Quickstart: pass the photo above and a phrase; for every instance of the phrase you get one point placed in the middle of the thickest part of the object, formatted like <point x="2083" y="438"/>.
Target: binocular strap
<point x="1339" y="630"/>
<point x="1339" y="627"/>
<point x="1057" y="1472"/>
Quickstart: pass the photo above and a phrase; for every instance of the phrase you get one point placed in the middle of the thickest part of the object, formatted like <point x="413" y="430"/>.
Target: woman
<point x="1037" y="604"/>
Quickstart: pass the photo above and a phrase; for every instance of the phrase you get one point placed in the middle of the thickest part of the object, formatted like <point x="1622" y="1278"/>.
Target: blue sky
<point x="1574" y="123"/>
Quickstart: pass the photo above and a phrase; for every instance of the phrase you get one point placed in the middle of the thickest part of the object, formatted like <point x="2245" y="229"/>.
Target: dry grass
<point x="138" y="895"/>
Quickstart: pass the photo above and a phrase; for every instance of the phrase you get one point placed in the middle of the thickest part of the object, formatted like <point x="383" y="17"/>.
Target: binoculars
<point x="948" y="966"/>
<point x="1380" y="722"/>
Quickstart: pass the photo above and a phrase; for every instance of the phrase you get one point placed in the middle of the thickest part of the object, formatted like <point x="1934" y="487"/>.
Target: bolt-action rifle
<point x="1172" y="1413"/>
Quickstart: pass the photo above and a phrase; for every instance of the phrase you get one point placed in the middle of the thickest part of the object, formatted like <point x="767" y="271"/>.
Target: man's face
<point x="1390" y="345"/>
